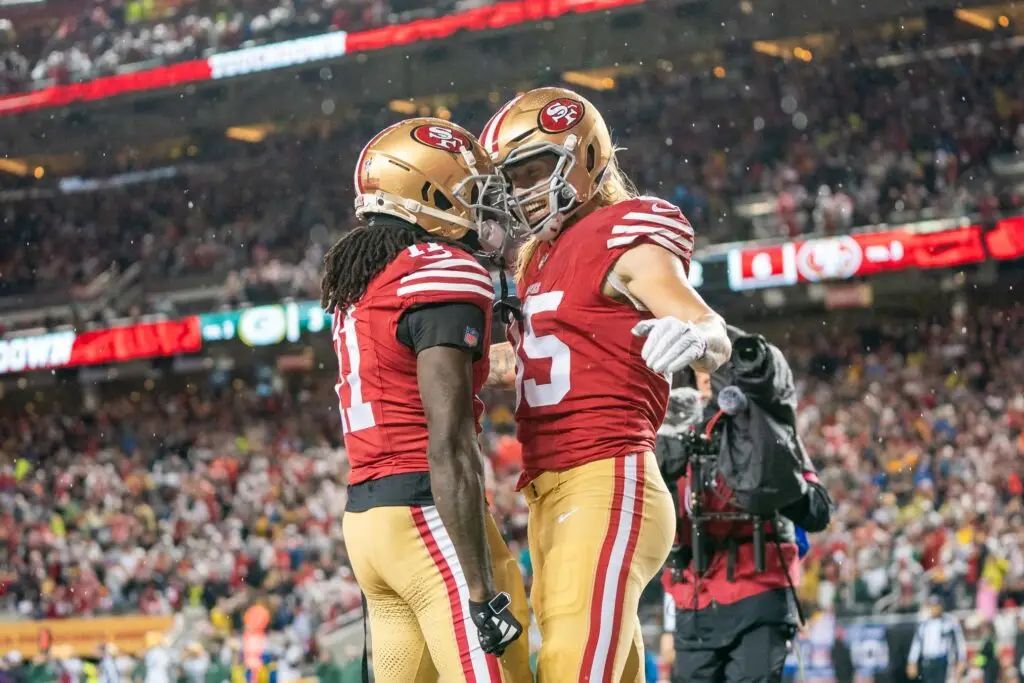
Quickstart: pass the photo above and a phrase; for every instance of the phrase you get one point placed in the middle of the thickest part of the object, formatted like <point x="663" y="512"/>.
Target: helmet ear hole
<point x="591" y="158"/>
<point x="442" y="202"/>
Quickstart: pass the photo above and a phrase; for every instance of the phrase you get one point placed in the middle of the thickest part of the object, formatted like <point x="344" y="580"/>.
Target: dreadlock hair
<point x="355" y="259"/>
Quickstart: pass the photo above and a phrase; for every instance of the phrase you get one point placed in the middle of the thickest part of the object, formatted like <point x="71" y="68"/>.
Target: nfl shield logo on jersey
<point x="471" y="337"/>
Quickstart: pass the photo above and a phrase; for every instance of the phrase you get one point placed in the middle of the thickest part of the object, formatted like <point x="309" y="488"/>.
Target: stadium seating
<point x="71" y="48"/>
<point x="914" y="432"/>
<point x="153" y="496"/>
<point x="871" y="145"/>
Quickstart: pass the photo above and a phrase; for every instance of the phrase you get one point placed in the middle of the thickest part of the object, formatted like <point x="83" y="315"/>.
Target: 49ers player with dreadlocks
<point x="607" y="315"/>
<point x="412" y="319"/>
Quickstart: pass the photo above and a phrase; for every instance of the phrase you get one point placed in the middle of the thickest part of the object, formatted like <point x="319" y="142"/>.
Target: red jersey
<point x="583" y="392"/>
<point x="381" y="411"/>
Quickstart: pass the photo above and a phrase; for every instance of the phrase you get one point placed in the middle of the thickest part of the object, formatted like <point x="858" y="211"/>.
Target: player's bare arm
<point x="445" y="377"/>
<point x="503" y="364"/>
<point x="655" y="277"/>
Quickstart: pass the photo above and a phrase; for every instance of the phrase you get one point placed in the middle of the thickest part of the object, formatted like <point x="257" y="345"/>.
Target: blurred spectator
<point x="818" y="146"/>
<point x="112" y="36"/>
<point x="873" y="144"/>
<point x="916" y="428"/>
<point x="226" y="499"/>
<point x="107" y="670"/>
<point x="987" y="659"/>
<point x="153" y="503"/>
<point x="231" y="500"/>
<point x="938" y="646"/>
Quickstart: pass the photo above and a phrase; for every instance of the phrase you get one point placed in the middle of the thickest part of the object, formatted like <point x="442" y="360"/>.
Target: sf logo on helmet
<point x="441" y="137"/>
<point x="560" y="115"/>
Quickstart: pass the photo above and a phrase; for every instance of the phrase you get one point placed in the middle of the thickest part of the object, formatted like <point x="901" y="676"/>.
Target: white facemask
<point x="492" y="235"/>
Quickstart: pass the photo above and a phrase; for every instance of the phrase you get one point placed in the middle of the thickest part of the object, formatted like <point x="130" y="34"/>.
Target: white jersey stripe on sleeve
<point x="670" y="246"/>
<point x="442" y="274"/>
<point x="436" y="286"/>
<point x="658" y="220"/>
<point x="454" y="263"/>
<point x="679" y="244"/>
<point x="682" y="240"/>
<point x="659" y="239"/>
<point x="621" y="241"/>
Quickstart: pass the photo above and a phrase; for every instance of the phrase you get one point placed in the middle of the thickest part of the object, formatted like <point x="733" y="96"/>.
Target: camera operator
<point x="731" y="607"/>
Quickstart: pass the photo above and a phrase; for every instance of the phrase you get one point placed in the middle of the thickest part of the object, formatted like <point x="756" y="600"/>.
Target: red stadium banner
<point x="1006" y="241"/>
<point x="117" y="345"/>
<point x="110" y="86"/>
<point x="293" y="52"/>
<point x="152" y="340"/>
<point x="499" y="15"/>
<point x="862" y="254"/>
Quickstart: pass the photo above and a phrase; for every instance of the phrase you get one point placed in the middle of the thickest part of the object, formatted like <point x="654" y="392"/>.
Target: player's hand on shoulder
<point x="671" y="344"/>
<point x="496" y="626"/>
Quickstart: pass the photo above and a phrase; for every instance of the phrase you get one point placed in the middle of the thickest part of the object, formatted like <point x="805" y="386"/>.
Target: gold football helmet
<point x="434" y="174"/>
<point x="562" y="123"/>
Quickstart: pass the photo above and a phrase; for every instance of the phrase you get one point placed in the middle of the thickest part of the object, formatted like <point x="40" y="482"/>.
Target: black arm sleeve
<point x="812" y="512"/>
<point x="458" y="325"/>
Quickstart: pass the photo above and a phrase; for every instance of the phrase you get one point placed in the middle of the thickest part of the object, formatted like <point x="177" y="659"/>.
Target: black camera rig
<point x="697" y="449"/>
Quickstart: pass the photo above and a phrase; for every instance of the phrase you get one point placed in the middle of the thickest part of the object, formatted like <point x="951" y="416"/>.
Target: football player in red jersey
<point x="607" y="315"/>
<point x="412" y="318"/>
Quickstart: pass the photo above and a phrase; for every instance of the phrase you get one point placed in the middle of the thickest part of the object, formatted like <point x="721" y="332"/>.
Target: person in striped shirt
<point x="938" y="642"/>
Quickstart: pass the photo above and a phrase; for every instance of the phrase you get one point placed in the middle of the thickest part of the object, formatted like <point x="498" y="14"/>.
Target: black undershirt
<point x="457" y="325"/>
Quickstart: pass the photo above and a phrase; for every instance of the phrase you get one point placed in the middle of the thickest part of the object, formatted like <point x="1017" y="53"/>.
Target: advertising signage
<point x="265" y="325"/>
<point x="319" y="48"/>
<point x="745" y="267"/>
<point x="871" y="253"/>
<point x="58" y="350"/>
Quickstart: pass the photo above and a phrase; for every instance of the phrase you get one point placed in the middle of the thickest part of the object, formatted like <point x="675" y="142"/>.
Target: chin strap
<point x="507" y="307"/>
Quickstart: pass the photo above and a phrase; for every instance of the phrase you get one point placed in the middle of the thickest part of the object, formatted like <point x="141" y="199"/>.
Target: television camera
<point x="692" y="439"/>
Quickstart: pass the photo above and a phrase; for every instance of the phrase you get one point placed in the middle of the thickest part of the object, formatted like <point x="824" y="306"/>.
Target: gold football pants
<point x="598" y="534"/>
<point x="417" y="599"/>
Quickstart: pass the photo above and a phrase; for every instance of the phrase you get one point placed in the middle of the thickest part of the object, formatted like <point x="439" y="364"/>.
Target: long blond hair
<point x="615" y="187"/>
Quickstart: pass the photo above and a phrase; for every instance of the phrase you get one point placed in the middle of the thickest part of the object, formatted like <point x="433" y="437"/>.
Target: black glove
<point x="508" y="309"/>
<point x="496" y="626"/>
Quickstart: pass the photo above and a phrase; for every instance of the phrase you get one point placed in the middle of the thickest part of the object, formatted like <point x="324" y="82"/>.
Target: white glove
<point x="671" y="344"/>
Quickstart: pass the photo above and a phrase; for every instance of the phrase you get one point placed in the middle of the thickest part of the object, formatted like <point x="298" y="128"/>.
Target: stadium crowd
<point x="155" y="499"/>
<point x="919" y="430"/>
<point x="110" y="37"/>
<point x="222" y="660"/>
<point x="222" y="494"/>
<point x="825" y="145"/>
